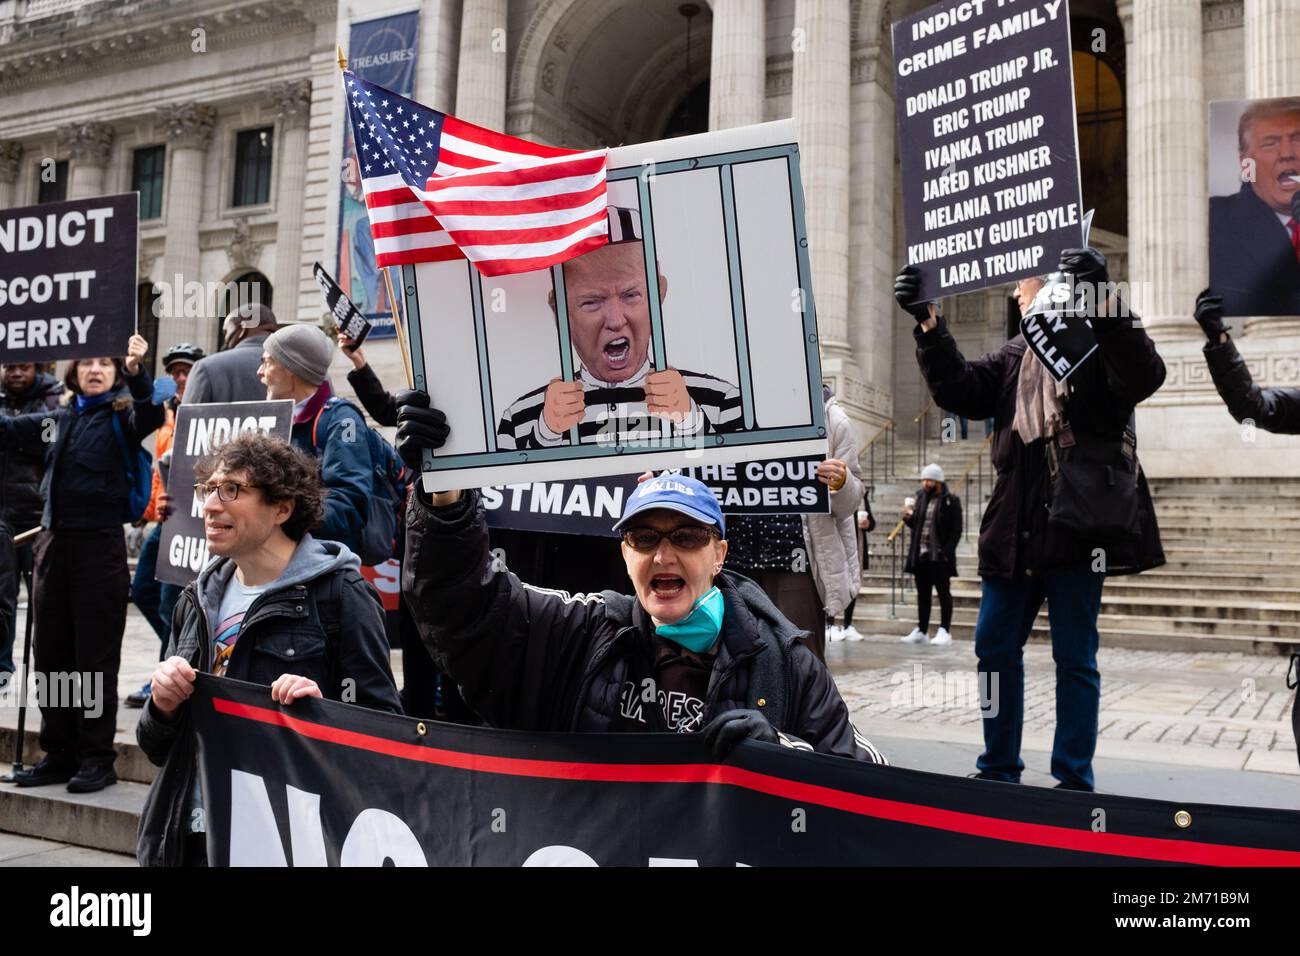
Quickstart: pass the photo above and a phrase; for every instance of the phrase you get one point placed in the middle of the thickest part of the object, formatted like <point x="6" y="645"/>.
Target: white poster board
<point x="718" y="220"/>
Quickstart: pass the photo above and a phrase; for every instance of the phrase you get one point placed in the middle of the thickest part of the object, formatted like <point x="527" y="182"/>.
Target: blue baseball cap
<point x="688" y="496"/>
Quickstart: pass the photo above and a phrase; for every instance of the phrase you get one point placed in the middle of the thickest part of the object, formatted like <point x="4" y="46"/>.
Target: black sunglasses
<point x="689" y="537"/>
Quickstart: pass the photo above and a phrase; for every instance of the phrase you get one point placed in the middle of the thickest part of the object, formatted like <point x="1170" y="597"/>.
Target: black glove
<point x="1086" y="265"/>
<point x="418" y="426"/>
<point x="907" y="289"/>
<point x="1209" y="315"/>
<point x="726" y="730"/>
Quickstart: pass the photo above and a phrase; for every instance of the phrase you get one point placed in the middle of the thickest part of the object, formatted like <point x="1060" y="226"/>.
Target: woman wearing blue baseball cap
<point x="696" y="649"/>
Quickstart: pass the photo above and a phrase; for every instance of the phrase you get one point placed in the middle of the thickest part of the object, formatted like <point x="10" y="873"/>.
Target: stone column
<point x="11" y="153"/>
<point x="1168" y="243"/>
<point x="188" y="127"/>
<point x="292" y="102"/>
<point x="1272" y="30"/>
<point x="1272" y="37"/>
<point x="481" y="68"/>
<point x="820" y="105"/>
<point x="87" y="144"/>
<point x="738" y="69"/>
<point x="435" y="64"/>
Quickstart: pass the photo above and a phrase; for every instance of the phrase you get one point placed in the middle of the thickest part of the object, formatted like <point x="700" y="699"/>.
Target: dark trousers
<point x="795" y="595"/>
<point x="81" y="588"/>
<point x="848" y="613"/>
<point x="10" y="576"/>
<point x="932" y="574"/>
<point x="426" y="691"/>
<point x="154" y="599"/>
<point x="1007" y="611"/>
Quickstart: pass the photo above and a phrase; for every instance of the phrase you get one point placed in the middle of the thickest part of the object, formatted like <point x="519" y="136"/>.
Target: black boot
<point x="92" y="777"/>
<point x="45" y="772"/>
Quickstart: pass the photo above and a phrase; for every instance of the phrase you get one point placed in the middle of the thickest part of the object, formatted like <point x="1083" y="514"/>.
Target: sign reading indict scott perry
<point x="987" y="141"/>
<point x="67" y="279"/>
<point x="200" y="430"/>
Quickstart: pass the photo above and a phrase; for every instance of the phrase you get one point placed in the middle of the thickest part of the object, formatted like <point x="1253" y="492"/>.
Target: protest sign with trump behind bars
<point x="987" y="141"/>
<point x="67" y="279"/>
<point x="687" y="337"/>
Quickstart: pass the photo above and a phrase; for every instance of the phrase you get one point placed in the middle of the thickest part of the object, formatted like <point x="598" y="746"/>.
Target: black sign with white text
<point x="183" y="550"/>
<point x="1058" y="330"/>
<point x="987" y="141"/>
<point x="347" y="319"/>
<point x="67" y="279"/>
<point x="592" y="505"/>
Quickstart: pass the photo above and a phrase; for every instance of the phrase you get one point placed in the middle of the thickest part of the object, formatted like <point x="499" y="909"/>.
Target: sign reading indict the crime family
<point x="67" y="279"/>
<point x="321" y="783"/>
<point x="690" y="339"/>
<point x="593" y="505"/>
<point x="183" y="549"/>
<point x="987" y="141"/>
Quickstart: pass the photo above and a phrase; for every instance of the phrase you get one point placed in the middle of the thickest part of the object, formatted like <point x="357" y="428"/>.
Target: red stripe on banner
<point x="506" y="144"/>
<point x="512" y="237"/>
<point x="953" y="821"/>
<point x="412" y="225"/>
<point x="411" y="257"/>
<point x="506" y="207"/>
<point x="397" y="196"/>
<point x="509" y="267"/>
<point x="461" y="161"/>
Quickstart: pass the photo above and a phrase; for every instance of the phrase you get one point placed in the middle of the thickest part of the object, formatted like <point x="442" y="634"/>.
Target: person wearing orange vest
<point x="154" y="599"/>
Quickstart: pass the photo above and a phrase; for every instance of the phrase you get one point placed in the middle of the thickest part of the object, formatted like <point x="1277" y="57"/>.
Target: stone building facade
<point x="90" y="83"/>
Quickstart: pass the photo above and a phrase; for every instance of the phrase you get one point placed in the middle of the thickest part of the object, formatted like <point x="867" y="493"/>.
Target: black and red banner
<point x="321" y="783"/>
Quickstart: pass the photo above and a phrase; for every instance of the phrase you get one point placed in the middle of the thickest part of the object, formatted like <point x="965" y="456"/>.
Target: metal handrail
<point x="920" y="421"/>
<point x="978" y="467"/>
<point x="869" y="452"/>
<point x="897" y="528"/>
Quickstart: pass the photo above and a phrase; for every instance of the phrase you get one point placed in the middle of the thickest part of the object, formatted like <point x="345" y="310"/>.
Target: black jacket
<point x="379" y="403"/>
<point x="947" y="530"/>
<point x="1252" y="263"/>
<point x="283" y="632"/>
<point x="532" y="659"/>
<point x="1015" y="537"/>
<point x="22" y="465"/>
<point x="1272" y="409"/>
<point x="86" y="484"/>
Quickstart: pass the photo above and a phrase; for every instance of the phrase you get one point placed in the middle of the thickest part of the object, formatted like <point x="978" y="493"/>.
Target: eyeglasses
<point x="689" y="537"/>
<point x="226" y="490"/>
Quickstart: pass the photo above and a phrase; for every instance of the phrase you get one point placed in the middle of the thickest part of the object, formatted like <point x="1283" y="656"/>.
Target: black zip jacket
<point x="947" y="530"/>
<point x="527" y="658"/>
<point x="22" y="465"/>
<point x="1015" y="537"/>
<point x="284" y="632"/>
<point x="86" y="484"/>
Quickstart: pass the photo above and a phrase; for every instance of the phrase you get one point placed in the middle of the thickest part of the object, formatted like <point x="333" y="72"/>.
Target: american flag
<point x="438" y="188"/>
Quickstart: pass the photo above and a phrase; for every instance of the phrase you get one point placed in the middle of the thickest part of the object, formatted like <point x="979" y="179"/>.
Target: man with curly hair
<point x="269" y="610"/>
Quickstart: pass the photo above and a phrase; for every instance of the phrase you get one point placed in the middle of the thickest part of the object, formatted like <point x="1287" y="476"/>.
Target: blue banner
<point x="381" y="51"/>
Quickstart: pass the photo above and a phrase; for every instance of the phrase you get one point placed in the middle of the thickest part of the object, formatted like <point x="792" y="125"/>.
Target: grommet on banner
<point x="1182" y="819"/>
<point x="421" y="729"/>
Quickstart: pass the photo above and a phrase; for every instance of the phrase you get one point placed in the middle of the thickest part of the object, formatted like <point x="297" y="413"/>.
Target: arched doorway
<point x="691" y="115"/>
<point x="1100" y="109"/>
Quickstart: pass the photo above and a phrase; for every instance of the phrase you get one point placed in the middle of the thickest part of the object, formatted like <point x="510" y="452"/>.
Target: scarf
<point x="83" y="403"/>
<point x="1040" y="398"/>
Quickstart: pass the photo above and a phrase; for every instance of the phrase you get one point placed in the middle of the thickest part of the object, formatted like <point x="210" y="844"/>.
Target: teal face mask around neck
<point x="700" y="627"/>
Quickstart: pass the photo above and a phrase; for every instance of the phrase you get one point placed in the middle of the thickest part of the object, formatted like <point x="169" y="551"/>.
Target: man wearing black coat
<point x="22" y="390"/>
<point x="1024" y="559"/>
<point x="1272" y="409"/>
<point x="1254" y="236"/>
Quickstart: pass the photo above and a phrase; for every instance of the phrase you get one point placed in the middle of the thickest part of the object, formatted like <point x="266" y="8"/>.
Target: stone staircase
<point x="1231" y="581"/>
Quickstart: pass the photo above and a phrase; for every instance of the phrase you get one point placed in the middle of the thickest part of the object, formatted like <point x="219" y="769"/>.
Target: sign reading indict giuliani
<point x="987" y="141"/>
<point x="183" y="550"/>
<point x="67" y="279"/>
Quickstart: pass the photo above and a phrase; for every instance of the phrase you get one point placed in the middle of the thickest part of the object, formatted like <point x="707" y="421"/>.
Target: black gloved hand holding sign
<point x="418" y="427"/>
<point x="726" y="730"/>
<point x="1209" y="315"/>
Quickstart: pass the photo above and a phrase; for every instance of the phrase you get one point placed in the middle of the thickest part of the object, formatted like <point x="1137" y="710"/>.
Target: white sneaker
<point x="916" y="637"/>
<point x="942" y="636"/>
<point x="834" y="633"/>
<point x="851" y="633"/>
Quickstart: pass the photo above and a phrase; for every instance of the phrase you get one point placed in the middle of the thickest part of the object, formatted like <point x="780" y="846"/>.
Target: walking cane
<point x="19" y="541"/>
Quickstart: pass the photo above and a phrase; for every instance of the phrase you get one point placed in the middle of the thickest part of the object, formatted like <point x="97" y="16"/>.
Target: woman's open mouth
<point x="667" y="586"/>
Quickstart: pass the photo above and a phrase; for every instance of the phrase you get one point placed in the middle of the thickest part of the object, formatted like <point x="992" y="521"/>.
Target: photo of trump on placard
<point x="617" y="396"/>
<point x="1254" y="233"/>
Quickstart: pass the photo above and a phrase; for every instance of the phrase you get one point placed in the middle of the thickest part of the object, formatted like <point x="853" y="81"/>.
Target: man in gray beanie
<point x="295" y="364"/>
